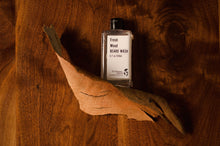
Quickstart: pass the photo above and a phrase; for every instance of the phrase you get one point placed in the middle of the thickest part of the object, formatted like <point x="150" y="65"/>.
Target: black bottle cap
<point x="117" y="23"/>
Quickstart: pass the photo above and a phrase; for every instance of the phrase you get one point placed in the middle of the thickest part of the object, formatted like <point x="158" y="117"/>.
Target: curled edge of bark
<point x="155" y="103"/>
<point x="152" y="105"/>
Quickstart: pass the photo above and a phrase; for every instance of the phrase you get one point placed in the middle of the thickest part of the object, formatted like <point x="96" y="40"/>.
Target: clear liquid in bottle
<point x="116" y="51"/>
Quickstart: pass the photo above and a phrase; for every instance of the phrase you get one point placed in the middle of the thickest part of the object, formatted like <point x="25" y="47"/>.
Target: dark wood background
<point x="175" y="55"/>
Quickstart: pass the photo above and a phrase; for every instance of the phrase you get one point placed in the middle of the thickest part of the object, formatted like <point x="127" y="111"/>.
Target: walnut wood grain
<point x="7" y="74"/>
<point x="175" y="55"/>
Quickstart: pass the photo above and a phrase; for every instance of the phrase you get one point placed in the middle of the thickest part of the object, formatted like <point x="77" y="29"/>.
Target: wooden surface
<point x="175" y="55"/>
<point x="7" y="74"/>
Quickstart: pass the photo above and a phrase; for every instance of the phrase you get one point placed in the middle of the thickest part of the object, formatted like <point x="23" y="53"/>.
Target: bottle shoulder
<point x="117" y="32"/>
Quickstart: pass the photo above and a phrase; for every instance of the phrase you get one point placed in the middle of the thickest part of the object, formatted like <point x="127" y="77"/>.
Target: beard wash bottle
<point x="116" y="54"/>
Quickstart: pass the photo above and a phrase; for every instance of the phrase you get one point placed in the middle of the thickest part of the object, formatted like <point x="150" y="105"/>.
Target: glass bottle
<point x="116" y="54"/>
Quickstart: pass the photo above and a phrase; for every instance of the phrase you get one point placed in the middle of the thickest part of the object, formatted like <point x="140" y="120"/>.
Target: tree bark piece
<point x="98" y="97"/>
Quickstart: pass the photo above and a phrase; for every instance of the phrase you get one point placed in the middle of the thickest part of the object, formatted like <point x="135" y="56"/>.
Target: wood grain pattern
<point x="7" y="74"/>
<point x="175" y="55"/>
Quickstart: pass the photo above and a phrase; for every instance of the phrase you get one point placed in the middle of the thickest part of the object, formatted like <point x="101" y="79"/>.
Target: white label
<point x="118" y="57"/>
